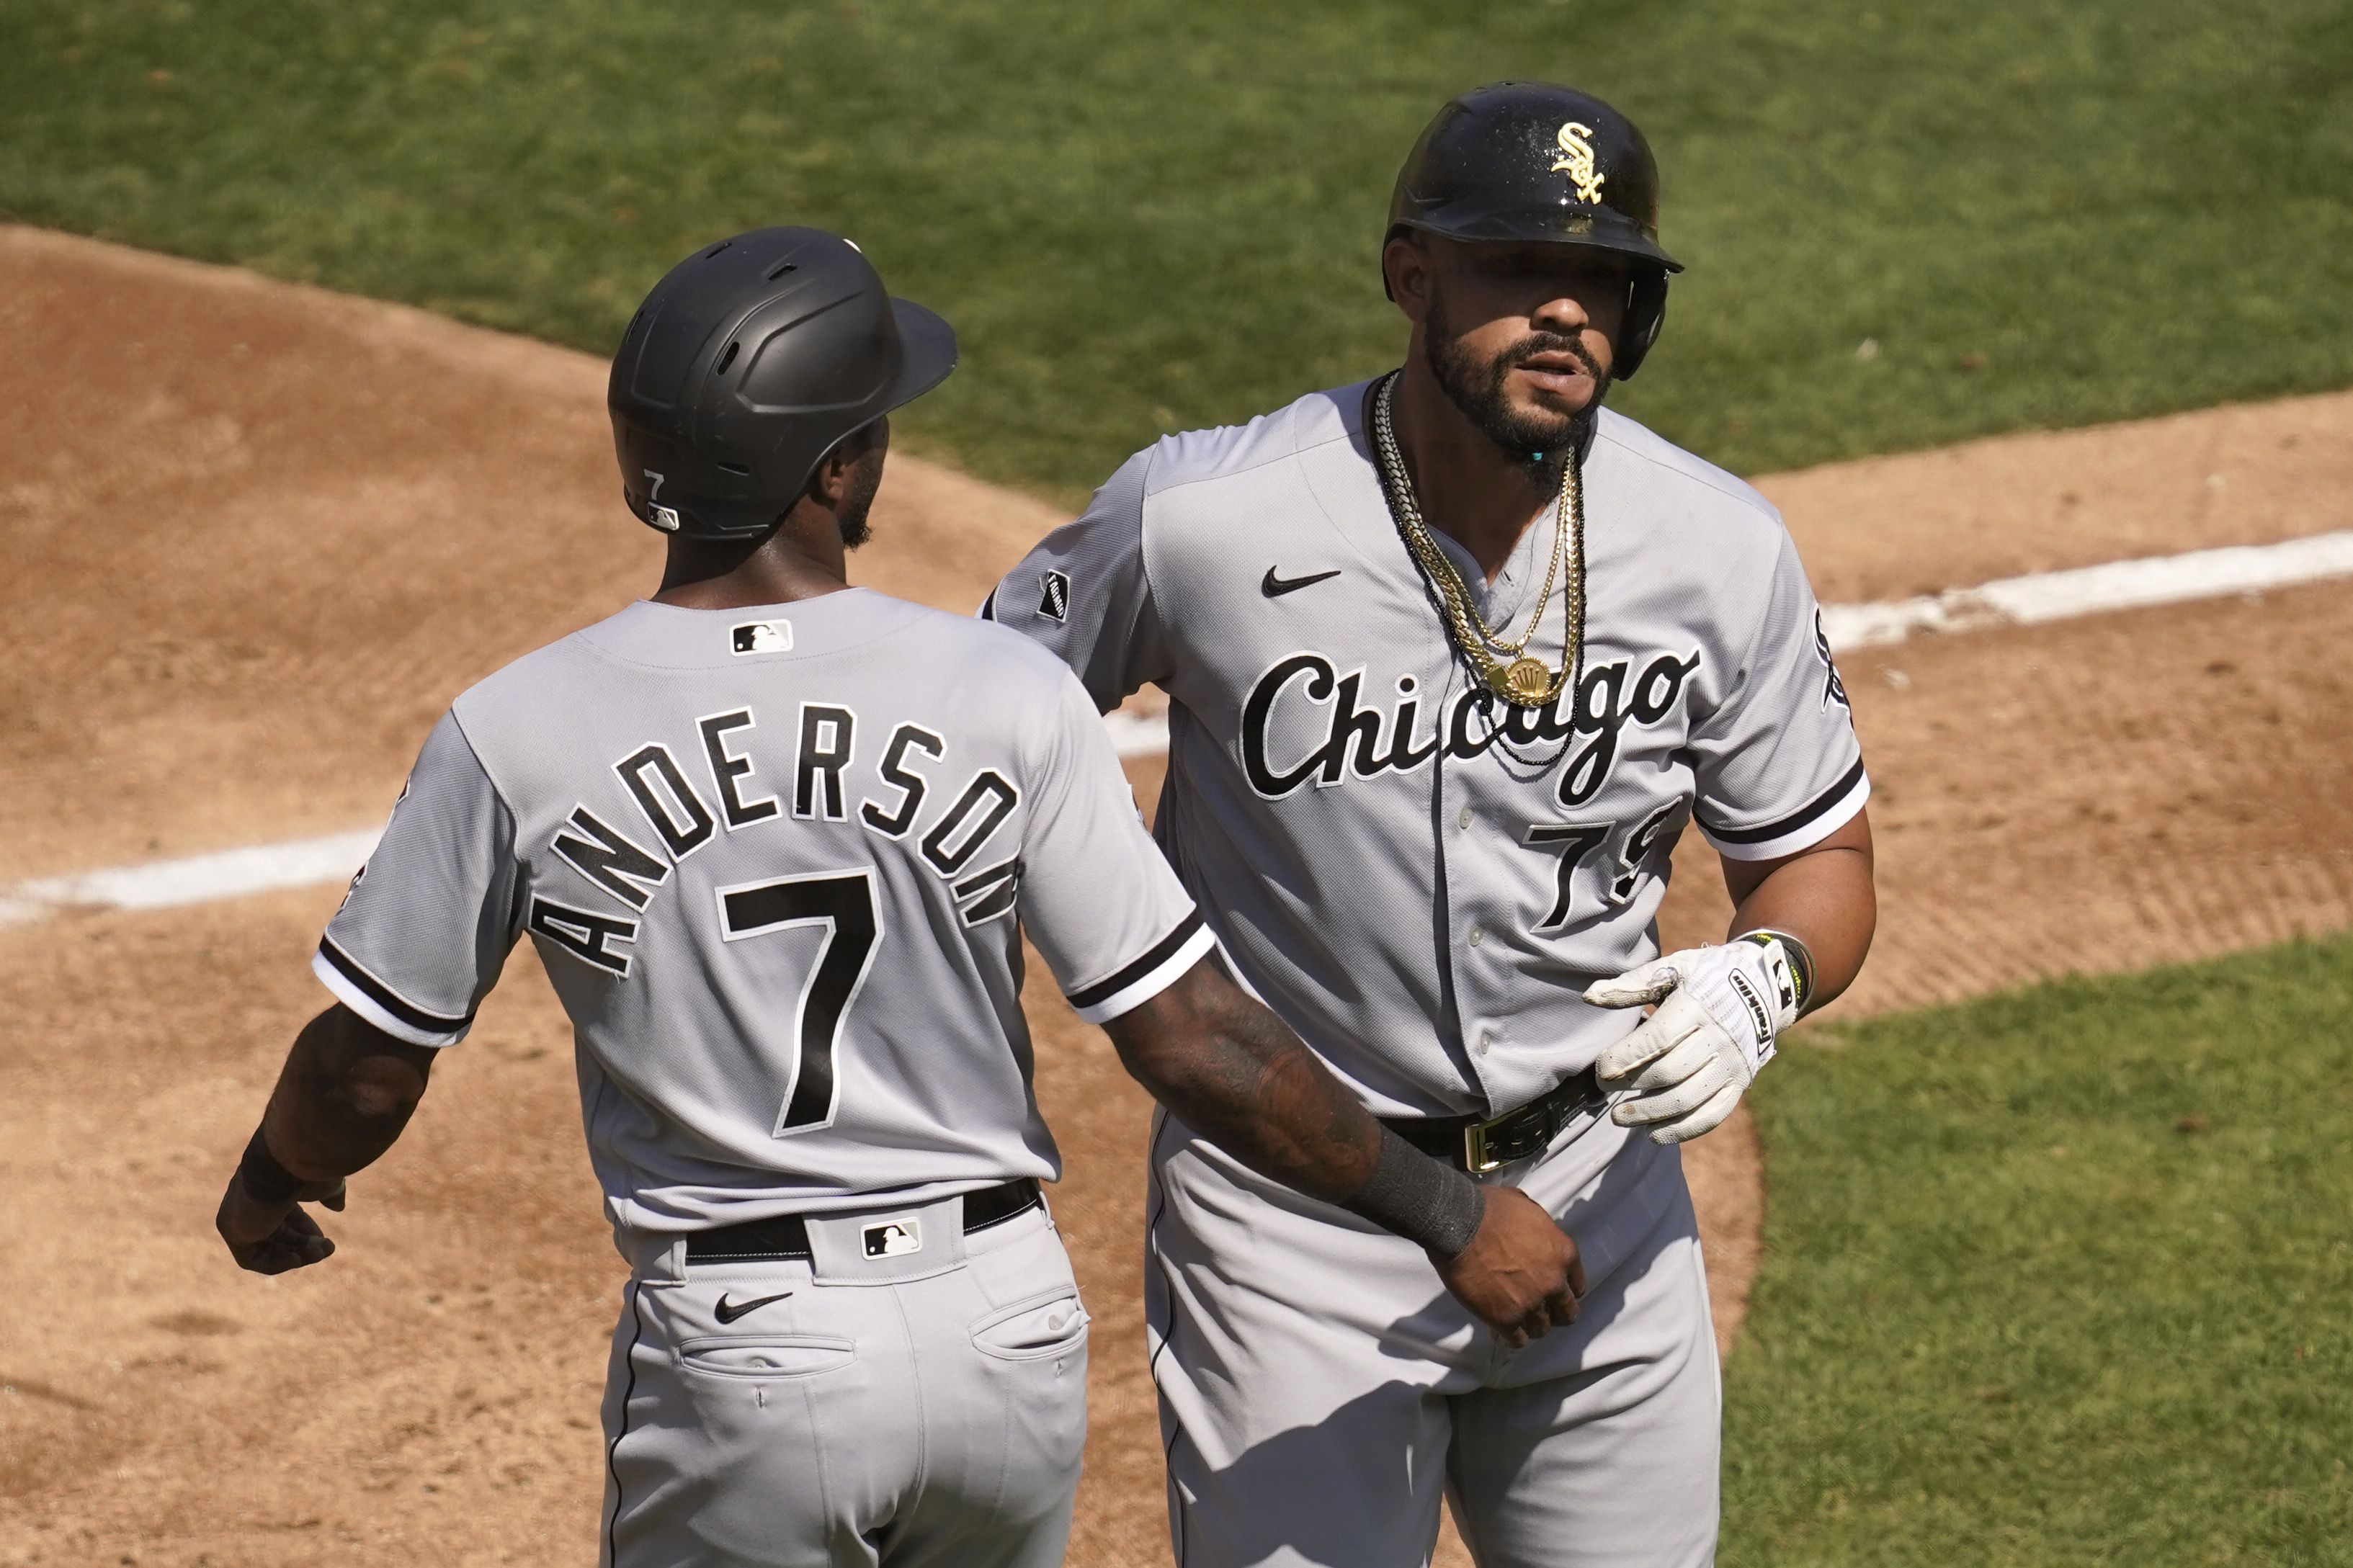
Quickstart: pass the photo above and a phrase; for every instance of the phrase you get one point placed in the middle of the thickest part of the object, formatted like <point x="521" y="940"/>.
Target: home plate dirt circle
<point x="261" y="534"/>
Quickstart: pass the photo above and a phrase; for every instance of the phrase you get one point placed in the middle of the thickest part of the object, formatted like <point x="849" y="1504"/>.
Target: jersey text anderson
<point x="895" y="787"/>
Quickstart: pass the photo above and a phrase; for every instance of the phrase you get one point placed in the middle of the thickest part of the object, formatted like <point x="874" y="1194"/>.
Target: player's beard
<point x="858" y="498"/>
<point x="1476" y="386"/>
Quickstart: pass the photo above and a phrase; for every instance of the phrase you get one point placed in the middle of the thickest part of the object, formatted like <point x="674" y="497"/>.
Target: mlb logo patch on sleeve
<point x="1054" y="597"/>
<point x="764" y="636"/>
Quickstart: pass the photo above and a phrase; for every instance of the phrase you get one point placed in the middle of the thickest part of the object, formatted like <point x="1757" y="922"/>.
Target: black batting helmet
<point x="749" y="361"/>
<point x="1529" y="161"/>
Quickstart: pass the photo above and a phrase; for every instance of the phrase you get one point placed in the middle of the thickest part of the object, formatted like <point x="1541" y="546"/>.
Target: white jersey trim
<point x="1802" y="830"/>
<point x="1148" y="976"/>
<point x="348" y="989"/>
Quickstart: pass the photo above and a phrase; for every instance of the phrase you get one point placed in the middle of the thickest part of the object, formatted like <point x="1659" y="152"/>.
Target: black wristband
<point x="1434" y="1206"/>
<point x="265" y="1179"/>
<point x="1801" y="959"/>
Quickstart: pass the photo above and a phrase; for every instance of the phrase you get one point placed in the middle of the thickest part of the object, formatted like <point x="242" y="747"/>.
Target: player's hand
<point x="273" y="1237"/>
<point x="1686" y="1066"/>
<point x="1521" y="1274"/>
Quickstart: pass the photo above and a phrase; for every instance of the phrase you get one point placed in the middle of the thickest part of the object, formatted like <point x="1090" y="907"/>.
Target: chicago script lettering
<point x="1361" y="741"/>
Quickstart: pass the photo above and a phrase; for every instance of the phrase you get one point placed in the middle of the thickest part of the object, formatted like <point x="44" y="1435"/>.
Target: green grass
<point x="1155" y="214"/>
<point x="2062" y="1276"/>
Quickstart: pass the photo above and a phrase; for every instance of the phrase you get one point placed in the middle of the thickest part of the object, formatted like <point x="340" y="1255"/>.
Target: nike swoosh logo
<point x="1275" y="587"/>
<point x="729" y="1310"/>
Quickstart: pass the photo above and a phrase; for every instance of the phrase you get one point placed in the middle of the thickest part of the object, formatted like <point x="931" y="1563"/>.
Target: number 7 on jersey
<point x="1575" y="841"/>
<point x="843" y="903"/>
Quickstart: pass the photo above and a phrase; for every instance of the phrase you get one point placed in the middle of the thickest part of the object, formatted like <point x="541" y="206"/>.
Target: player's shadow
<point x="1370" y="1474"/>
<point x="1612" y="1221"/>
<point x="1313" y="1491"/>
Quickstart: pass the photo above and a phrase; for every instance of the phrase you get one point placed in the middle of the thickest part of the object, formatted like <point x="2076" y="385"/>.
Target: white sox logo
<point x="1833" y="689"/>
<point x="1054" y="597"/>
<point x="1362" y="743"/>
<point x="1575" y="161"/>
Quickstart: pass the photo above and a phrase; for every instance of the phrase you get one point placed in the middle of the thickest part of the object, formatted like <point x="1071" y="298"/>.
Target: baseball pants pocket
<point x="1048" y="1325"/>
<point x="1031" y="1356"/>
<point x="730" y="1448"/>
<point x="764" y="1355"/>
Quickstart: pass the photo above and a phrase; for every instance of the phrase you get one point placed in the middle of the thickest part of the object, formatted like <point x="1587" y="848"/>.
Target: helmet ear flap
<point x="1646" y="312"/>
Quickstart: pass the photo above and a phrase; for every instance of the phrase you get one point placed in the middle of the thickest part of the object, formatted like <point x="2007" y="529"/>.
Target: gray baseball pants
<point x="921" y="1410"/>
<point x="1319" y="1390"/>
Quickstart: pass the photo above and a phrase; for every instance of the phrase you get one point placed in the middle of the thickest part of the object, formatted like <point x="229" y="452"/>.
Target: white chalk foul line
<point x="2093" y="590"/>
<point x="1138" y="734"/>
<point x="2007" y="602"/>
<point x="198" y="878"/>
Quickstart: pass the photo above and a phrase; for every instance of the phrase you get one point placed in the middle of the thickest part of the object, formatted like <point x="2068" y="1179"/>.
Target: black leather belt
<point x="787" y="1236"/>
<point x="1471" y="1144"/>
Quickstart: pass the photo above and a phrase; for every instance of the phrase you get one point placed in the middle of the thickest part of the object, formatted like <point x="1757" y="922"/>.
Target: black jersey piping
<point x="375" y="990"/>
<point x="1160" y="953"/>
<point x="613" y="1449"/>
<point x="1819" y="806"/>
<point x="1156" y="1260"/>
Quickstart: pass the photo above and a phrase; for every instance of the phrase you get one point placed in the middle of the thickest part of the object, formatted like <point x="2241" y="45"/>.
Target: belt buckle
<point x="1476" y="1159"/>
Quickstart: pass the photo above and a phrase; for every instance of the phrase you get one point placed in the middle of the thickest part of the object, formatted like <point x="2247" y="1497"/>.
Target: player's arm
<point x="1823" y="897"/>
<point x="1801" y="924"/>
<point x="1781" y="788"/>
<point x="1134" y="956"/>
<point x="1230" y="1070"/>
<point x="419" y="941"/>
<point x="1085" y="594"/>
<point x="344" y="1094"/>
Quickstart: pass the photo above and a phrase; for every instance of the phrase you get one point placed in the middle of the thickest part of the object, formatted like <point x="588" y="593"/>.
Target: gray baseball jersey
<point x="773" y="861"/>
<point x="1419" y="878"/>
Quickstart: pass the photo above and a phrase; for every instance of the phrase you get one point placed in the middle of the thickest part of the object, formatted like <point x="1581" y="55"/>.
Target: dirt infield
<point x="258" y="536"/>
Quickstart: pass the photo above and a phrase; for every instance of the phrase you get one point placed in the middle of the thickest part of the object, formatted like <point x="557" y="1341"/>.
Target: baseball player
<point x="777" y="842"/>
<point x="1453" y="658"/>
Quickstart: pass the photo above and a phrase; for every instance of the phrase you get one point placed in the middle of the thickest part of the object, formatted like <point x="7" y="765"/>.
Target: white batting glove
<point x="1689" y="1063"/>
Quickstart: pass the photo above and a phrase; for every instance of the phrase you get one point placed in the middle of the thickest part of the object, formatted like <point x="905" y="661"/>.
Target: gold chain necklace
<point x="1511" y="674"/>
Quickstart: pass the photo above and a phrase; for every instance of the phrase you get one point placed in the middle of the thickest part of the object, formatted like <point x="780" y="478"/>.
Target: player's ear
<point x="835" y="476"/>
<point x="1406" y="273"/>
<point x="831" y="480"/>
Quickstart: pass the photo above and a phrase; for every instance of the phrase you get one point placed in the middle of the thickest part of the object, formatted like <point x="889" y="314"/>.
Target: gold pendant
<point x="1526" y="682"/>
